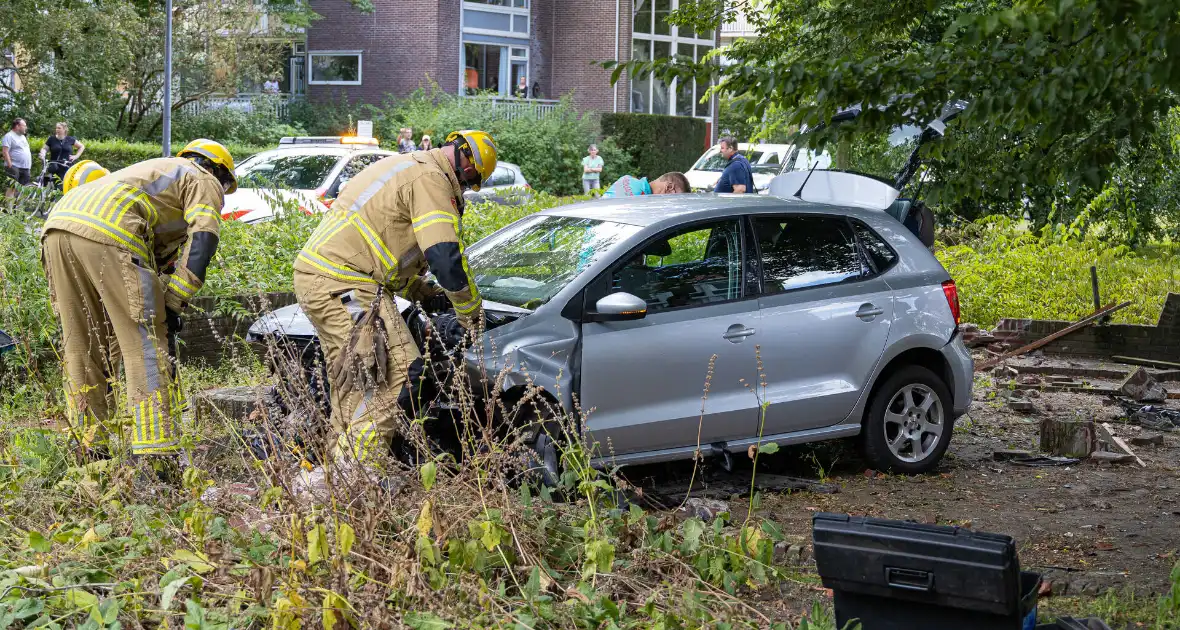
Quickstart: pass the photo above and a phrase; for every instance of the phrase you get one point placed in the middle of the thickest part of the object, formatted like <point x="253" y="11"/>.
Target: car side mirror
<point x="619" y="307"/>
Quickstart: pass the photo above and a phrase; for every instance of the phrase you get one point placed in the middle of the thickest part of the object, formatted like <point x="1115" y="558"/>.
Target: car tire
<point x="903" y="416"/>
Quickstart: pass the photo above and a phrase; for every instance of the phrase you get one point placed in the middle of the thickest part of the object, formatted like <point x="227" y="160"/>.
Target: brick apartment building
<point x="488" y="45"/>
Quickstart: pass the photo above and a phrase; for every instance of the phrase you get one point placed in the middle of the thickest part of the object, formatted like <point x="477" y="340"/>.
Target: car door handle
<point x="869" y="311"/>
<point x="737" y="332"/>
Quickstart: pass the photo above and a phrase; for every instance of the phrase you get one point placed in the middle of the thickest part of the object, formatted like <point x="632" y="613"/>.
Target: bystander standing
<point x="60" y="148"/>
<point x="591" y="170"/>
<point x="738" y="176"/>
<point x="18" y="160"/>
<point x="405" y="143"/>
<point x="427" y="144"/>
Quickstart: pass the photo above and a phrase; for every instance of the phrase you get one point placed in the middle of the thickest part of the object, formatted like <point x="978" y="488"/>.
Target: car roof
<point x="338" y="152"/>
<point x="649" y="210"/>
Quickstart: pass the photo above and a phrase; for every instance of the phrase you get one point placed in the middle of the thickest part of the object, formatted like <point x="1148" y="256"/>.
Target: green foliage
<point x="333" y="118"/>
<point x="117" y="154"/>
<point x="1068" y="98"/>
<point x="108" y="80"/>
<point x="254" y="259"/>
<point x="1004" y="270"/>
<point x="657" y="144"/>
<point x="259" y="127"/>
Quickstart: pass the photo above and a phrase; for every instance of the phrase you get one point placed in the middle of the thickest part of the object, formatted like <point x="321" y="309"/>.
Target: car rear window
<point x="800" y="252"/>
<point x="874" y="247"/>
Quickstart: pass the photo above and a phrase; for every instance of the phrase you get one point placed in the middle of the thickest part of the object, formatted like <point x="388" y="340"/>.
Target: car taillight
<point x="234" y="215"/>
<point x="327" y="202"/>
<point x="952" y="298"/>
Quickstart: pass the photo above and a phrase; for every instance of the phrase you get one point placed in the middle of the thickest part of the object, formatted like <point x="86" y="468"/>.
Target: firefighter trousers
<point x="365" y="420"/>
<point x="104" y="297"/>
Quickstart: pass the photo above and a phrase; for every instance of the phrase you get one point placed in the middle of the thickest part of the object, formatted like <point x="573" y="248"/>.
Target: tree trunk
<point x="1064" y="437"/>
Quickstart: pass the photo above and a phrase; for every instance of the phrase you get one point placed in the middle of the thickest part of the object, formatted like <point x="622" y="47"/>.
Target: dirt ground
<point x="1087" y="527"/>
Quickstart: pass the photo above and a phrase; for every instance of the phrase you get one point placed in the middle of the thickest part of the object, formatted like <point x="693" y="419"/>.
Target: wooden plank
<point x="1079" y="389"/>
<point x="1151" y="363"/>
<point x="1074" y="327"/>
<point x="1120" y="443"/>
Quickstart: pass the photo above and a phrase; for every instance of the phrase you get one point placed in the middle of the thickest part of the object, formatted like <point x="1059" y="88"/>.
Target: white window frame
<point x="526" y="12"/>
<point x="360" y="66"/>
<point x="674" y="40"/>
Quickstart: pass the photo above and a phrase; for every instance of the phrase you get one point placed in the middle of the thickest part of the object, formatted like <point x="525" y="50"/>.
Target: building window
<point x="653" y="37"/>
<point x="334" y="68"/>
<point x="505" y="18"/>
<point x="494" y="68"/>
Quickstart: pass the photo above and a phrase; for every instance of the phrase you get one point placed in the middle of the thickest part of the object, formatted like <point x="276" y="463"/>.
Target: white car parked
<point x="304" y="173"/>
<point x="766" y="160"/>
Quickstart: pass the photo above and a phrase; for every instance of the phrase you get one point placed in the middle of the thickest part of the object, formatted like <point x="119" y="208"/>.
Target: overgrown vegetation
<point x="548" y="148"/>
<point x="657" y="144"/>
<point x="116" y="154"/>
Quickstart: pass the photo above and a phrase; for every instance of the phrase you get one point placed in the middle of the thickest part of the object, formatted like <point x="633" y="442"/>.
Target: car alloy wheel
<point x="913" y="423"/>
<point x="908" y="423"/>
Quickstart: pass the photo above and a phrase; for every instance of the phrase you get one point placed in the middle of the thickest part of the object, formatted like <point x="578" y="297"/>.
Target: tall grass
<point x="1004" y="270"/>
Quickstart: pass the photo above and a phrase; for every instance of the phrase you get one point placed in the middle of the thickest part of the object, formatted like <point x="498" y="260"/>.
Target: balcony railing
<point x="275" y="104"/>
<point x="738" y="26"/>
<point x="513" y="108"/>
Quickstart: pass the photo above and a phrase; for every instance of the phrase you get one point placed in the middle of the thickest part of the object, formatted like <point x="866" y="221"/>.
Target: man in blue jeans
<point x="738" y="176"/>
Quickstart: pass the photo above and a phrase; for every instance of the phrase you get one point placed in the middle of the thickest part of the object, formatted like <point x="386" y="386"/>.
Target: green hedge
<point x="117" y="154"/>
<point x="657" y="144"/>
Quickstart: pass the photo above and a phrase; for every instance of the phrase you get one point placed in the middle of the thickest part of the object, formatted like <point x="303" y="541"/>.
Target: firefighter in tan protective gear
<point x="394" y="220"/>
<point x="124" y="253"/>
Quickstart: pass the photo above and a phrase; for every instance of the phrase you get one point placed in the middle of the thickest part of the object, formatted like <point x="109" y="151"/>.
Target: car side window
<point x="692" y="266"/>
<point x="801" y="252"/>
<point x="875" y="249"/>
<point x="502" y="176"/>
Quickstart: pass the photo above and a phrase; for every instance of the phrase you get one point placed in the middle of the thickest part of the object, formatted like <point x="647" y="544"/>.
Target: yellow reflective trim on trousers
<point x="321" y="263"/>
<point x="431" y="218"/>
<point x="375" y="243"/>
<point x="132" y="243"/>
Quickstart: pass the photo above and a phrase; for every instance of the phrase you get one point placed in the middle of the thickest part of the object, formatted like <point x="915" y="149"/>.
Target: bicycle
<point x="38" y="197"/>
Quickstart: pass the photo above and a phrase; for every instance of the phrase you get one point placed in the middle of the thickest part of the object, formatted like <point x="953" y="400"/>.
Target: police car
<point x="304" y="174"/>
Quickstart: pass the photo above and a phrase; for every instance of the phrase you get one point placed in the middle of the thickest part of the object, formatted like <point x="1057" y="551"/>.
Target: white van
<point x="766" y="160"/>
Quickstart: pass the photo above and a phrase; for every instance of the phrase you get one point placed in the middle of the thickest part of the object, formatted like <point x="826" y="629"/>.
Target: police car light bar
<point x="328" y="140"/>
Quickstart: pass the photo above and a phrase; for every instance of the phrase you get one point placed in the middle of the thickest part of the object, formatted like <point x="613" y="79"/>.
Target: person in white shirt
<point x="18" y="160"/>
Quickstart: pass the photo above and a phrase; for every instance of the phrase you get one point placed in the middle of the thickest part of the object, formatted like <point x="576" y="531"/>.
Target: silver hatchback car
<point x="802" y="322"/>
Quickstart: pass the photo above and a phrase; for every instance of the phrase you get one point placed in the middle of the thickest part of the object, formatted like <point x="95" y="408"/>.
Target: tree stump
<point x="1068" y="437"/>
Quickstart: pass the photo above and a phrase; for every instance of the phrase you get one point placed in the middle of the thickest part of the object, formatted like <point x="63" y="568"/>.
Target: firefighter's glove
<point x="450" y="331"/>
<point x="438" y="303"/>
<point x="173" y="321"/>
<point x="364" y="361"/>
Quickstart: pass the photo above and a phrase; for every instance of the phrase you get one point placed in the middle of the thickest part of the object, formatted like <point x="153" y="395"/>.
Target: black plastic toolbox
<point x="893" y="575"/>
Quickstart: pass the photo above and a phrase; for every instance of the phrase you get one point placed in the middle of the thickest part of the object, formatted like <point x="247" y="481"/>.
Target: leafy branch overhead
<point x="1062" y="85"/>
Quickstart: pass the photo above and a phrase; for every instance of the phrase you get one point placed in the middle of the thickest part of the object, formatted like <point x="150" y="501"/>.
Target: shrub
<point x="117" y="154"/>
<point x="261" y="126"/>
<point x="656" y="144"/>
<point x="548" y="148"/>
<point x="333" y="118"/>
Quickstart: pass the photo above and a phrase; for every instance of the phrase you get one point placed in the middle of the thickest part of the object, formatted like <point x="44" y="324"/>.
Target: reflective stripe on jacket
<point x="153" y="209"/>
<point x="392" y="221"/>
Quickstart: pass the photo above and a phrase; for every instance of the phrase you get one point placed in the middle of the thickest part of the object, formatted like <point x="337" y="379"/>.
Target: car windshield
<point x="300" y="171"/>
<point x="528" y="263"/>
<point x="714" y="161"/>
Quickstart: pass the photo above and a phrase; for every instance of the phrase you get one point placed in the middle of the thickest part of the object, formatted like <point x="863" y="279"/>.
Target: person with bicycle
<point x="60" y="147"/>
